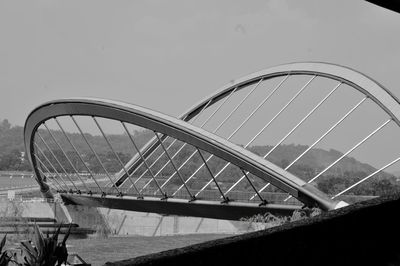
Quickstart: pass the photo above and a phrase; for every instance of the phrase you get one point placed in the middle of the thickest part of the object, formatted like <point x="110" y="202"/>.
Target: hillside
<point x="11" y="140"/>
<point x="315" y="159"/>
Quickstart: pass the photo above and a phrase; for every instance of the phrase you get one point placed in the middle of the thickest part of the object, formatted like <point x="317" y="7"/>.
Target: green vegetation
<point x="11" y="148"/>
<point x="386" y="185"/>
<point x="346" y="172"/>
<point x="5" y="256"/>
<point x="268" y="220"/>
<point x="45" y="251"/>
<point x="97" y="251"/>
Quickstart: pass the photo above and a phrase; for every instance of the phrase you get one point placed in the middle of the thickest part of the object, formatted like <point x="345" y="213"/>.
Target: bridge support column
<point x="45" y="190"/>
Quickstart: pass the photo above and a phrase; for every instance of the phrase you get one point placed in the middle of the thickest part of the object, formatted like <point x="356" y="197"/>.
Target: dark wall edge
<point x="366" y="233"/>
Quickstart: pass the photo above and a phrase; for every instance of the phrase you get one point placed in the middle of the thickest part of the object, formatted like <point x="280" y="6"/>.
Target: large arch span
<point x="154" y="165"/>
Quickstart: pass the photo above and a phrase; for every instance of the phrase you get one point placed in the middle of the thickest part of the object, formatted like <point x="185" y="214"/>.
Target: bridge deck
<point x="198" y="208"/>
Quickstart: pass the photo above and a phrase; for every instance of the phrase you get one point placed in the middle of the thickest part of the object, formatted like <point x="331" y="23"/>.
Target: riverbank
<point x="97" y="251"/>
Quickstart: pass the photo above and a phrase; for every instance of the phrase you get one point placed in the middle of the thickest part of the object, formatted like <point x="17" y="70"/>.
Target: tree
<point x="5" y="125"/>
<point x="11" y="161"/>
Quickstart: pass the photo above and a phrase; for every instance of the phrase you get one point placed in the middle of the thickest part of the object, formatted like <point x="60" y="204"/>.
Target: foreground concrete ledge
<point x="366" y="233"/>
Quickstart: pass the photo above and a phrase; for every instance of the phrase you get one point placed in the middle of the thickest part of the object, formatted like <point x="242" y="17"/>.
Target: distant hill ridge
<point x="11" y="138"/>
<point x="316" y="159"/>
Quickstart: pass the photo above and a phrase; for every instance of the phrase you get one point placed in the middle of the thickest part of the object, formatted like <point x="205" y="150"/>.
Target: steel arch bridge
<point x="203" y="164"/>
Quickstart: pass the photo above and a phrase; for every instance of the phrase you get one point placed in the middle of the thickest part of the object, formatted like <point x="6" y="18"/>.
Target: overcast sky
<point x="148" y="52"/>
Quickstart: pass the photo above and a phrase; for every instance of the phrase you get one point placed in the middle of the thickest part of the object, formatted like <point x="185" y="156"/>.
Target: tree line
<point x="345" y="173"/>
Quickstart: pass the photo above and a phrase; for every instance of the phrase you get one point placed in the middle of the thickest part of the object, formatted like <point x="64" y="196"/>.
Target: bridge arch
<point x="170" y="130"/>
<point x="160" y="123"/>
<point x="357" y="80"/>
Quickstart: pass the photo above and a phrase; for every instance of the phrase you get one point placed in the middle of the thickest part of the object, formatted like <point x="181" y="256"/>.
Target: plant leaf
<point x="67" y="234"/>
<point x="27" y="246"/>
<point x="57" y="232"/>
<point x="3" y="242"/>
<point x="39" y="242"/>
<point x="31" y="261"/>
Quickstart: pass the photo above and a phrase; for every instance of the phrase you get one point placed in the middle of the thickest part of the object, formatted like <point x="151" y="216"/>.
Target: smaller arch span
<point x="178" y="129"/>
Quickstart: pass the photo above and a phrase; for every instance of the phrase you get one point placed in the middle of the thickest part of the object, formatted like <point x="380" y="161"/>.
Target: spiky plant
<point x="46" y="251"/>
<point x="5" y="258"/>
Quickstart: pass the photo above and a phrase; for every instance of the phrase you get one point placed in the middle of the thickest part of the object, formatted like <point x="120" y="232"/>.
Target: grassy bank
<point x="97" y="251"/>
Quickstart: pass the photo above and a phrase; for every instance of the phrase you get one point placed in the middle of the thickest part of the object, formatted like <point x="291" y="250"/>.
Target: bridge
<point x="212" y="160"/>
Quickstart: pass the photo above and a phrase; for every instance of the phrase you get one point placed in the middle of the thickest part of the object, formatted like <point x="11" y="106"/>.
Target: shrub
<point x="268" y="220"/>
<point x="5" y="257"/>
<point x="45" y="251"/>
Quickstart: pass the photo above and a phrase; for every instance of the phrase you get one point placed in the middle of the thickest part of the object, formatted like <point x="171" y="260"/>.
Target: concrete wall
<point x="26" y="209"/>
<point x="123" y="222"/>
<point x="150" y="224"/>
